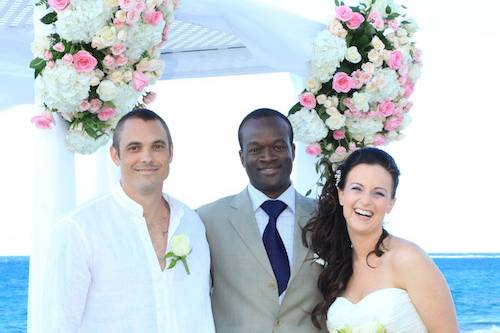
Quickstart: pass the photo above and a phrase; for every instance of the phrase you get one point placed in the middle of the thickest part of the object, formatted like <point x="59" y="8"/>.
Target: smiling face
<point x="144" y="156"/>
<point x="267" y="154"/>
<point x="366" y="198"/>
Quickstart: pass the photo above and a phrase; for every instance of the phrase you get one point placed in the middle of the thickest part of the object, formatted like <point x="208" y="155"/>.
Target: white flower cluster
<point x="141" y="37"/>
<point x="79" y="141"/>
<point x="328" y="52"/>
<point x="82" y="20"/>
<point x="364" y="128"/>
<point x="308" y="126"/>
<point x="62" y="88"/>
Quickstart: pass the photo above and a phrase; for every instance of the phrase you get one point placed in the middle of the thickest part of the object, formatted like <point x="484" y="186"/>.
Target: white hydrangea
<point x="383" y="86"/>
<point x="82" y="19"/>
<point x="359" y="128"/>
<point x="141" y="37"/>
<point x="414" y="73"/>
<point x="126" y="98"/>
<point x="62" y="87"/>
<point x="335" y="121"/>
<point x="328" y="52"/>
<point x="308" y="126"/>
<point x="80" y="142"/>
<point x="40" y="45"/>
<point x="361" y="101"/>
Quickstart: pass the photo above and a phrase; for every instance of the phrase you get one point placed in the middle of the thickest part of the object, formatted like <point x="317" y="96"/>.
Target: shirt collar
<point x="176" y="210"/>
<point x="258" y="198"/>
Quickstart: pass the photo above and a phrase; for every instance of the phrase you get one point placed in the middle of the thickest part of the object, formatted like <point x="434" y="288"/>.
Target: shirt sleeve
<point x="67" y="279"/>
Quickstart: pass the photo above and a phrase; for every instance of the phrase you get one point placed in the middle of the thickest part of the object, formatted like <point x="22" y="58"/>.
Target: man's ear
<point x="242" y="159"/>
<point x="293" y="151"/>
<point x="115" y="155"/>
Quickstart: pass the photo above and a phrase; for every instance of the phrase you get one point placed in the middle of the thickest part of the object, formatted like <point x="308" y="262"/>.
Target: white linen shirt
<point x="285" y="222"/>
<point x="104" y="276"/>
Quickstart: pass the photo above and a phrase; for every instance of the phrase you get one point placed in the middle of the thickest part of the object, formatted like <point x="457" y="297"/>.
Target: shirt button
<point x="272" y="285"/>
<point x="277" y="323"/>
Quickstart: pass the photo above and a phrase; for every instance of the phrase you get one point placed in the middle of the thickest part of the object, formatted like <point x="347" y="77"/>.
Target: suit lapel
<point x="299" y="250"/>
<point x="242" y="218"/>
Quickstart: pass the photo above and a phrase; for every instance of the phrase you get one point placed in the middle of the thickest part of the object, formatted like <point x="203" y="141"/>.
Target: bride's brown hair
<point x="326" y="232"/>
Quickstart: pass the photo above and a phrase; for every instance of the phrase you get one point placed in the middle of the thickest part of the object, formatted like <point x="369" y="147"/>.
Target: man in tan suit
<point x="263" y="277"/>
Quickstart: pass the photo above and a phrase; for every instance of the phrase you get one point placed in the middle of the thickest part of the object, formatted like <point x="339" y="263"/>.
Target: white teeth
<point x="363" y="212"/>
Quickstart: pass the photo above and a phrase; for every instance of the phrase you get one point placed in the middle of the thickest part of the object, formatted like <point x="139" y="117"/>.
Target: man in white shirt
<point x="264" y="279"/>
<point x="107" y="270"/>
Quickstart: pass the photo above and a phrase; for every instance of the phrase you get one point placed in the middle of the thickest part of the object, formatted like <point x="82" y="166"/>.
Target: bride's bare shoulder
<point x="406" y="255"/>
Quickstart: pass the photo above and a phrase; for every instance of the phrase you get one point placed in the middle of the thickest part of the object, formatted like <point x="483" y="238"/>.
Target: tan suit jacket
<point x="244" y="296"/>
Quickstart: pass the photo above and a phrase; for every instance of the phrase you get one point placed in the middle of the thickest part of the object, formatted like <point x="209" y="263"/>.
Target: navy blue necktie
<point x="274" y="244"/>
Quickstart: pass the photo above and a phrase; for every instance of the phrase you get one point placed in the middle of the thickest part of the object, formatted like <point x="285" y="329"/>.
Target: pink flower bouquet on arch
<point x="95" y="65"/>
<point x="363" y="69"/>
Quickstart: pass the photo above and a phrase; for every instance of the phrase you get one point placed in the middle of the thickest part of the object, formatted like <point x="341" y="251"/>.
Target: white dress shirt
<point x="285" y="222"/>
<point x="104" y="276"/>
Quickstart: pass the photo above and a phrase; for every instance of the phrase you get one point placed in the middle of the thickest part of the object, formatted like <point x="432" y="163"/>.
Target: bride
<point x="372" y="281"/>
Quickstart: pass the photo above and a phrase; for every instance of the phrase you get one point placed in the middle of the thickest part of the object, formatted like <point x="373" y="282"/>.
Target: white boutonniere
<point x="180" y="249"/>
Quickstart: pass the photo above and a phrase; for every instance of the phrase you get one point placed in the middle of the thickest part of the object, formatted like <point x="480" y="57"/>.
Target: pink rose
<point x="340" y="150"/>
<point x="132" y="17"/>
<point x="417" y="56"/>
<point x="338" y="135"/>
<point x="408" y="89"/>
<point x="395" y="59"/>
<point x="378" y="140"/>
<point x="139" y="5"/>
<point x="67" y="58"/>
<point x="84" y="105"/>
<point x="343" y="13"/>
<point x="342" y="82"/>
<point x="355" y="21"/>
<point x="43" y="121"/>
<point x="392" y="123"/>
<point x="126" y="4"/>
<point x="58" y="5"/>
<point x="106" y="113"/>
<point x="118" y="49"/>
<point x="374" y="15"/>
<point x="352" y="146"/>
<point x="59" y="47"/>
<point x="153" y="17"/>
<point x="139" y="80"/>
<point x="51" y="64"/>
<point x="109" y="61"/>
<point x="121" y="60"/>
<point x="386" y="109"/>
<point x="84" y="62"/>
<point x="313" y="149"/>
<point x="95" y="105"/>
<point x="393" y="24"/>
<point x="47" y="55"/>
<point x="348" y="102"/>
<point x="149" y="98"/>
<point x="307" y="100"/>
<point x="378" y="24"/>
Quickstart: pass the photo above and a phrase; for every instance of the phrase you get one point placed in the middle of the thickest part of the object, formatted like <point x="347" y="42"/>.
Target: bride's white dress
<point x="390" y="307"/>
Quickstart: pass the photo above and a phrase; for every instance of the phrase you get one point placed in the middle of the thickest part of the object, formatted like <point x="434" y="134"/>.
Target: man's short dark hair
<point x="144" y="114"/>
<point x="265" y="113"/>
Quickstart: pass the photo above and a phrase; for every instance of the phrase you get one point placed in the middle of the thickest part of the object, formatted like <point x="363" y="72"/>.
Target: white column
<point x="53" y="195"/>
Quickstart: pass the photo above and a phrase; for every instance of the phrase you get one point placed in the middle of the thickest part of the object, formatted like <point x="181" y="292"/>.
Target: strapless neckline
<point x="375" y="292"/>
<point x="390" y="308"/>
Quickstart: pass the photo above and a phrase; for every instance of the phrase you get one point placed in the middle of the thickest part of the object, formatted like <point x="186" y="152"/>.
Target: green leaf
<point x="49" y="18"/>
<point x="337" y="3"/>
<point x="308" y="192"/>
<point x="168" y="255"/>
<point x="172" y="263"/>
<point x="37" y="62"/>
<point x="392" y="16"/>
<point x="388" y="10"/>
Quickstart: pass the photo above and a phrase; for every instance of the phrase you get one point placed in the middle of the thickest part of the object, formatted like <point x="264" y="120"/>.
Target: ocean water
<point x="474" y="281"/>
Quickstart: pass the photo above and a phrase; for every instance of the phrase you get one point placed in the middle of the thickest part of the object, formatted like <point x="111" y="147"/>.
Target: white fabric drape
<point x="277" y="32"/>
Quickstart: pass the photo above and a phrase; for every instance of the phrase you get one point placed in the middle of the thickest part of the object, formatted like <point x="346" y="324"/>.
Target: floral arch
<point x="359" y="64"/>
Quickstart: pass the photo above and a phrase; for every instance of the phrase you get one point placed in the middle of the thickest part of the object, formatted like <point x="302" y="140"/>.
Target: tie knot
<point x="273" y="208"/>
